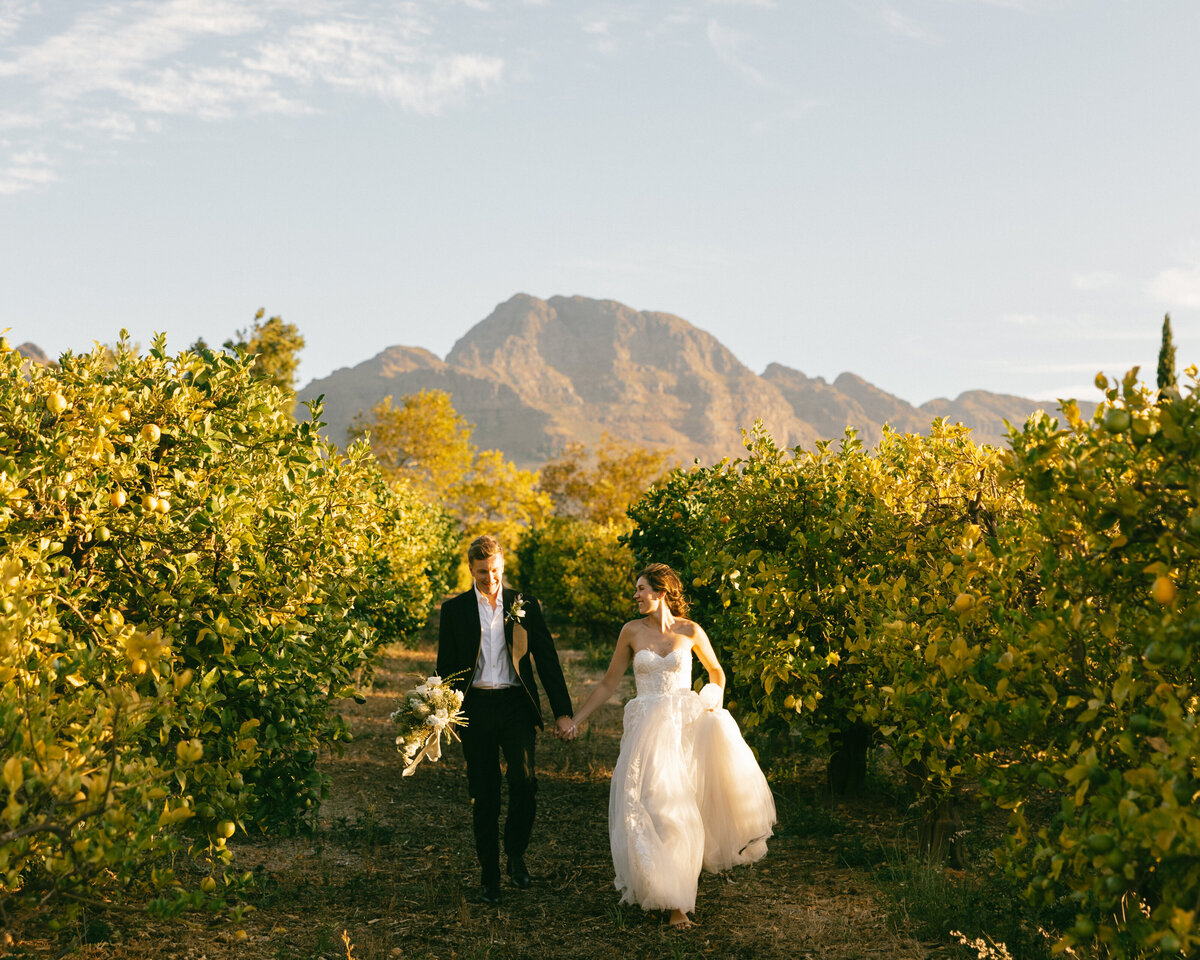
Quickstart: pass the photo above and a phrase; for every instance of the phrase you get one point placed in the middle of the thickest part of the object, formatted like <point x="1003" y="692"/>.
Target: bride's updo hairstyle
<point x="662" y="579"/>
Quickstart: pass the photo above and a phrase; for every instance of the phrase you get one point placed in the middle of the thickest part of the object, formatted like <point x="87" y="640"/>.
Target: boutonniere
<point x="516" y="610"/>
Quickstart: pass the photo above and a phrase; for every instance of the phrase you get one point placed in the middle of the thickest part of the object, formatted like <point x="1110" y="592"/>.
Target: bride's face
<point x="647" y="600"/>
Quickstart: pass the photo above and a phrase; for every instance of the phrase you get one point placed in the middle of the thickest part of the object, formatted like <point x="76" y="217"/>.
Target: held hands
<point x="565" y="729"/>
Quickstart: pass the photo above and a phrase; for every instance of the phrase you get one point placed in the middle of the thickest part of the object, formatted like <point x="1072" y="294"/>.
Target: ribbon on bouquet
<point x="432" y="749"/>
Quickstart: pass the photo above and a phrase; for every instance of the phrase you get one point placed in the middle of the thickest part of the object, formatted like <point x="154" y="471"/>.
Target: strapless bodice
<point x="655" y="676"/>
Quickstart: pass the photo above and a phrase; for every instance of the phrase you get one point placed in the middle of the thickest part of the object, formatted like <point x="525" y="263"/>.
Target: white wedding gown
<point x="686" y="791"/>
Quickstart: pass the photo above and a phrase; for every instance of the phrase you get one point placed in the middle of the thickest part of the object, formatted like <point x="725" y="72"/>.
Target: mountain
<point x="536" y="374"/>
<point x="31" y="351"/>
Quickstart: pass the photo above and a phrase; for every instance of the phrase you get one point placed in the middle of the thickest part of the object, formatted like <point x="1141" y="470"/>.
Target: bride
<point x="686" y="791"/>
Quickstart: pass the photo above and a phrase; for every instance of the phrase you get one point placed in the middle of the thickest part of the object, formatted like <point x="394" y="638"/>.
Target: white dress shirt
<point x="494" y="668"/>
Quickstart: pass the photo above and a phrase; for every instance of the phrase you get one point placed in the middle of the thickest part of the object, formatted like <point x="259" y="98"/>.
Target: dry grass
<point x="391" y="865"/>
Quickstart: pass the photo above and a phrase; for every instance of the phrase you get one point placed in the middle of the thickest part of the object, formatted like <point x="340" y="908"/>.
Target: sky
<point x="937" y="195"/>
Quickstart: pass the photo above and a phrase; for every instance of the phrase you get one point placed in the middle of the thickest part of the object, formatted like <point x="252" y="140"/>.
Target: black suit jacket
<point x="458" y="650"/>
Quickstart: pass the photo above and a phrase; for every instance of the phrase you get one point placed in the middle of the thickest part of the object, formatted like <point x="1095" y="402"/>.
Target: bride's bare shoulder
<point x="630" y="630"/>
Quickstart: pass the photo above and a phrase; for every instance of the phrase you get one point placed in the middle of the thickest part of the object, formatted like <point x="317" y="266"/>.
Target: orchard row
<point x="189" y="579"/>
<point x="1023" y="624"/>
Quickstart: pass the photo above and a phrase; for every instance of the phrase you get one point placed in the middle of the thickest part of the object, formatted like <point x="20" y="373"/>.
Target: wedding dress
<point x="686" y="791"/>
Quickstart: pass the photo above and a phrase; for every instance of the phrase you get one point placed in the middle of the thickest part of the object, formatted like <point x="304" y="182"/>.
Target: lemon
<point x="1117" y="421"/>
<point x="1163" y="590"/>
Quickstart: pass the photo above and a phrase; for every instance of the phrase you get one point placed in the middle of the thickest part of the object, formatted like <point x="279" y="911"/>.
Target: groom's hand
<point x="564" y="728"/>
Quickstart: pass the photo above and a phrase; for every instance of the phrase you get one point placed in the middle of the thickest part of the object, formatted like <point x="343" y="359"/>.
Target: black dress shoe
<point x="518" y="873"/>
<point x="490" y="891"/>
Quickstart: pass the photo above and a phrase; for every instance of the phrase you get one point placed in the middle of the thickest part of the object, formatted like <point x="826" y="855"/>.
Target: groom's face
<point x="487" y="574"/>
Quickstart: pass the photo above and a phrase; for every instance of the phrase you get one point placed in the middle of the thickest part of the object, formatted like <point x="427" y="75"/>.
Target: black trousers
<point x="498" y="721"/>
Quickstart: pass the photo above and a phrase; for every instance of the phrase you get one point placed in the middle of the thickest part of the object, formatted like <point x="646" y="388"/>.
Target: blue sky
<point x="937" y="195"/>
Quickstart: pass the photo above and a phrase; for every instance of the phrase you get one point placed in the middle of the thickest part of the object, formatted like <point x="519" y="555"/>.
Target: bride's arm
<point x="612" y="677"/>
<point x="707" y="656"/>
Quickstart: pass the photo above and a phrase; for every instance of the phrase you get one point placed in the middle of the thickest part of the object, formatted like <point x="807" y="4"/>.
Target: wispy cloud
<point x="603" y="26"/>
<point x="673" y="21"/>
<point x="679" y="263"/>
<point x="1023" y="5"/>
<point x="765" y="4"/>
<point x="1074" y="391"/>
<point x="391" y="64"/>
<point x="729" y="45"/>
<point x="1175" y="287"/>
<point x="1097" y="280"/>
<point x="1178" y="286"/>
<point x="25" y="170"/>
<point x="905" y="26"/>
<point x="116" y="66"/>
<point x="1070" y="330"/>
<point x="12" y="14"/>
<point x="1096" y="367"/>
<point x="786" y="117"/>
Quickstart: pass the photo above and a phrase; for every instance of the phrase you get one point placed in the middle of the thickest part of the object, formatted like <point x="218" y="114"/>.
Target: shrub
<point x="189" y="579"/>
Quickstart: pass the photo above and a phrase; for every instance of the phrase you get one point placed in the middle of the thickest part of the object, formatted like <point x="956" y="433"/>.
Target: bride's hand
<point x="565" y="729"/>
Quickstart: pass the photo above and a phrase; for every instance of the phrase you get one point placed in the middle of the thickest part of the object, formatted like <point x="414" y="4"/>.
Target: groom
<point x="485" y="641"/>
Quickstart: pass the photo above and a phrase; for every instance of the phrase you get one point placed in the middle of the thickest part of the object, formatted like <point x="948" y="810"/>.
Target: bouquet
<point x="429" y="710"/>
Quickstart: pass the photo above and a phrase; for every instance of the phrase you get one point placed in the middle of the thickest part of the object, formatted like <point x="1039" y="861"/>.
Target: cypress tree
<point x="1166" y="356"/>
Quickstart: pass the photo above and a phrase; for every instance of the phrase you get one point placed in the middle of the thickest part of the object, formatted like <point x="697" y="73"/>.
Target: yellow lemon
<point x="56" y="403"/>
<point x="117" y="498"/>
<point x="151" y="433"/>
<point x="1163" y="590"/>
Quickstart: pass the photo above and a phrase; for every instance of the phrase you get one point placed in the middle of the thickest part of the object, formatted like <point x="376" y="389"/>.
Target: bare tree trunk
<point x="847" y="770"/>
<point x="940" y="835"/>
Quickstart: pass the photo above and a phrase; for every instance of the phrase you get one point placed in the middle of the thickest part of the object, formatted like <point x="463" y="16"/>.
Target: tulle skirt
<point x="686" y="793"/>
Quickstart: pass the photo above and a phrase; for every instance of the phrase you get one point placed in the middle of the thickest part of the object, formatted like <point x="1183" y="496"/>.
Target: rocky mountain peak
<point x="535" y="374"/>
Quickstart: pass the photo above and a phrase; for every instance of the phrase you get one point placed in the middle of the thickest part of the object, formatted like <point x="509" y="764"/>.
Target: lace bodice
<point x="655" y="676"/>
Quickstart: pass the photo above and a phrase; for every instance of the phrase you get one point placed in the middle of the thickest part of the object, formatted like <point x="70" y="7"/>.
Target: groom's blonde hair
<point x="483" y="547"/>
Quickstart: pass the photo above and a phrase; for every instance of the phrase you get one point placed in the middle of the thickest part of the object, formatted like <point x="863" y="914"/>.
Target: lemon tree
<point x="189" y="579"/>
<point x="1104" y="677"/>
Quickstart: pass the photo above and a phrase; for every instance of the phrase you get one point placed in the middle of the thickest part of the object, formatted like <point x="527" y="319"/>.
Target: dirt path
<point x="392" y="864"/>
